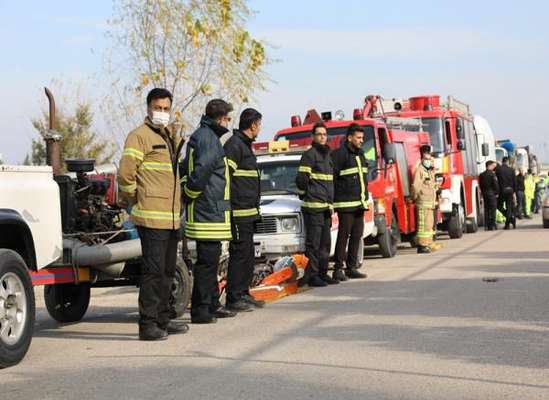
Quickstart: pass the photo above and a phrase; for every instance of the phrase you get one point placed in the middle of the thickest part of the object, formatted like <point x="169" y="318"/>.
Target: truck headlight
<point x="289" y="224"/>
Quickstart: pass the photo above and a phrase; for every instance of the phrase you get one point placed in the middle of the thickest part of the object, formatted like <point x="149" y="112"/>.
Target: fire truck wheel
<point x="17" y="308"/>
<point x="181" y="290"/>
<point x="456" y="222"/>
<point x="388" y="241"/>
<point x="67" y="302"/>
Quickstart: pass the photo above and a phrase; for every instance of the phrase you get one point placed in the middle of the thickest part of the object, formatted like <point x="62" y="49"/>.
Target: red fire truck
<point x="452" y="135"/>
<point x="392" y="151"/>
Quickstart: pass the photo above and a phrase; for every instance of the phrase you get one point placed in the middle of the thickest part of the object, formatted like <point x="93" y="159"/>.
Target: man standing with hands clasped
<point x="489" y="187"/>
<point x="245" y="210"/>
<point x="315" y="186"/>
<point x="148" y="180"/>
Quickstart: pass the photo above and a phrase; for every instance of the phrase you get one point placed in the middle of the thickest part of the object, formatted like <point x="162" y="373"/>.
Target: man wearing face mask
<point x="148" y="180"/>
<point x="206" y="193"/>
<point x="245" y="210"/>
<point x="423" y="192"/>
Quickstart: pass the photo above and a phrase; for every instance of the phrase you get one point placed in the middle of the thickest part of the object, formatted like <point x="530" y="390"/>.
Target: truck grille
<point x="266" y="225"/>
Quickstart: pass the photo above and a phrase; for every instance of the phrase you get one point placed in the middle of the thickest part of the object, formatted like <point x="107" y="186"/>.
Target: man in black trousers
<point x="507" y="189"/>
<point x="245" y="211"/>
<point x="489" y="187"/>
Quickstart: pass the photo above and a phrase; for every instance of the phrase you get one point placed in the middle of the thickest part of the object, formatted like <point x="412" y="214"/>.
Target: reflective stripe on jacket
<point x="206" y="185"/>
<point x="350" y="179"/>
<point x="148" y="177"/>
<point x="244" y="177"/>
<point x="423" y="189"/>
<point x="315" y="180"/>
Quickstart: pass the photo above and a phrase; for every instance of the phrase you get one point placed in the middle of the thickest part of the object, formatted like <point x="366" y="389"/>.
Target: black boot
<point x="252" y="301"/>
<point x="328" y="279"/>
<point x="239" y="306"/>
<point x="175" y="327"/>
<point x="423" y="250"/>
<point x="355" y="274"/>
<point x="222" y="312"/>
<point x="338" y="275"/>
<point x="152" y="333"/>
<point x="316" y="281"/>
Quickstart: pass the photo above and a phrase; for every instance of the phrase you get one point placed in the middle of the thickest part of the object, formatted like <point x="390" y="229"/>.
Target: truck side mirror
<point x="389" y="153"/>
<point x="485" y="149"/>
<point x="461" y="144"/>
<point x="459" y="129"/>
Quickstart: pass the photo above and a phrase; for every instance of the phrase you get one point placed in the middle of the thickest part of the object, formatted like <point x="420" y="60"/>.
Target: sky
<point x="331" y="54"/>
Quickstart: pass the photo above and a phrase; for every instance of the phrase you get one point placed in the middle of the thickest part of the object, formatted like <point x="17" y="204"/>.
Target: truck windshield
<point x="435" y="128"/>
<point x="369" y="146"/>
<point x="278" y="177"/>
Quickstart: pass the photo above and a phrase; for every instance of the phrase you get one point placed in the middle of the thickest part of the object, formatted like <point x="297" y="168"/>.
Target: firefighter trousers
<point x="241" y="261"/>
<point x="425" y="224"/>
<point x="490" y="206"/>
<point x="506" y="205"/>
<point x="205" y="296"/>
<point x="159" y="249"/>
<point x="317" y="241"/>
<point x="349" y="235"/>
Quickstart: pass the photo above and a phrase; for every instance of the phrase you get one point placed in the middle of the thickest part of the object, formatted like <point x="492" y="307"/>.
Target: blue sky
<point x="331" y="55"/>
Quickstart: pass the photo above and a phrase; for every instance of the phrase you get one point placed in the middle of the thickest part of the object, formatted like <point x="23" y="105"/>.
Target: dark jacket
<point x="206" y="185"/>
<point x="315" y="179"/>
<point x="244" y="177"/>
<point x="506" y="178"/>
<point x="350" y="179"/>
<point x="520" y="183"/>
<point x="489" y="184"/>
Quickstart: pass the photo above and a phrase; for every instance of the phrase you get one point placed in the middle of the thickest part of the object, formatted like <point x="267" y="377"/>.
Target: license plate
<point x="257" y="250"/>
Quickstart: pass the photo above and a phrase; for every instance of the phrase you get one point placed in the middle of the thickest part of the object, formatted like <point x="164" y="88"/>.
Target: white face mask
<point x="160" y="118"/>
<point x="427" y="164"/>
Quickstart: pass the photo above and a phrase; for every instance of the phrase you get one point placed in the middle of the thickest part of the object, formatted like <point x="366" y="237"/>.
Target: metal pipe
<point x="105" y="254"/>
<point x="52" y="138"/>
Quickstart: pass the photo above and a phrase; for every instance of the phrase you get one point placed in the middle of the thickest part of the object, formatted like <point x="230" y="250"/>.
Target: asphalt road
<point x="420" y="327"/>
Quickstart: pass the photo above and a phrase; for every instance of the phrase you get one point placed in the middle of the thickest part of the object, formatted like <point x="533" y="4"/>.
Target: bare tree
<point x="197" y="49"/>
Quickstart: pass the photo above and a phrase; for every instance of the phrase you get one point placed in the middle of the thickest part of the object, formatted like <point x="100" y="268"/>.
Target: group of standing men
<point x="333" y="181"/>
<point x="216" y="186"/>
<point x="509" y="193"/>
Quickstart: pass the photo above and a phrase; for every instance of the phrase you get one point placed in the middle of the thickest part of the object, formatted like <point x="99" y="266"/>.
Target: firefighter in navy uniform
<point x="245" y="211"/>
<point x="148" y="180"/>
<point x="351" y="196"/>
<point x="315" y="186"/>
<point x="507" y="192"/>
<point x="206" y="193"/>
<point x="423" y="192"/>
<point x="489" y="187"/>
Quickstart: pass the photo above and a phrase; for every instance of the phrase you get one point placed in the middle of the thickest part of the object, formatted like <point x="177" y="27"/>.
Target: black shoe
<point x="338" y="275"/>
<point x="355" y="274"/>
<point x="239" y="306"/>
<point x="423" y="250"/>
<point x="152" y="333"/>
<point x="506" y="227"/>
<point x="316" y="281"/>
<point x="204" y="319"/>
<point x="254" y="302"/>
<point x="175" y="327"/>
<point x="329" y="280"/>
<point x="222" y="312"/>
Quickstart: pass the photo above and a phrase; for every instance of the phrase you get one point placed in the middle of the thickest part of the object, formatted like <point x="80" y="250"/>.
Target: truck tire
<point x="456" y="222"/>
<point x="67" y="302"/>
<point x="181" y="290"/>
<point x="472" y="224"/>
<point x="388" y="241"/>
<point x="17" y="308"/>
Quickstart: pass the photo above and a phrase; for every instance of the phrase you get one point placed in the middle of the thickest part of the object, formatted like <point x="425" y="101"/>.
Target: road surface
<point x="420" y="327"/>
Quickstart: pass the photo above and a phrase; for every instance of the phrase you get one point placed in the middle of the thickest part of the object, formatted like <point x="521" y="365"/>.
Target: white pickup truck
<point x="280" y="231"/>
<point x="66" y="233"/>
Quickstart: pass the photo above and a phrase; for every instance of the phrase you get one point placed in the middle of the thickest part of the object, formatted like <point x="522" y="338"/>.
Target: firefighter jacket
<point x="244" y="177"/>
<point x="424" y="188"/>
<point x="507" y="179"/>
<point x="488" y="182"/>
<point x="206" y="185"/>
<point x="315" y="179"/>
<point x="350" y="178"/>
<point x="148" y="177"/>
